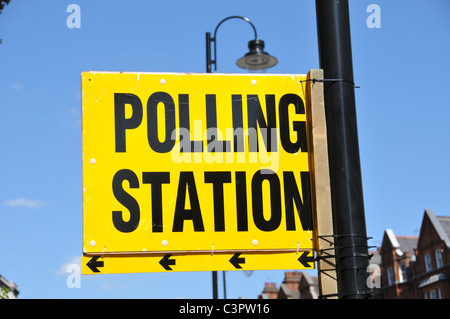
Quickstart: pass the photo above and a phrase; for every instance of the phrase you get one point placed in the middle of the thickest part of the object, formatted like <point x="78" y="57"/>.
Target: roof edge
<point x="393" y="239"/>
<point x="437" y="225"/>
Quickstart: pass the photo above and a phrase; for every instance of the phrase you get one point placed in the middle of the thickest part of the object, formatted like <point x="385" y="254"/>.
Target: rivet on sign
<point x="93" y="160"/>
<point x="253" y="82"/>
<point x="164" y="242"/>
<point x="162" y="81"/>
<point x="254" y="242"/>
<point x="92" y="243"/>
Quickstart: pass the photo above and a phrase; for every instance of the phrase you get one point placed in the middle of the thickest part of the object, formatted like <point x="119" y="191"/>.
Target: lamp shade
<point x="256" y="58"/>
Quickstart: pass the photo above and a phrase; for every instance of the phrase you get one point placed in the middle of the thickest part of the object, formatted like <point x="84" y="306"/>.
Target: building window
<point x="438" y="254"/>
<point x="391" y="277"/>
<point x="439" y="293"/>
<point x="402" y="273"/>
<point x="433" y="294"/>
<point x="428" y="266"/>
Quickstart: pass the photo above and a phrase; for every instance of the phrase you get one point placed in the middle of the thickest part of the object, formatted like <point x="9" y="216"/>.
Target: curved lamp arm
<point x="235" y="17"/>
<point x="209" y="61"/>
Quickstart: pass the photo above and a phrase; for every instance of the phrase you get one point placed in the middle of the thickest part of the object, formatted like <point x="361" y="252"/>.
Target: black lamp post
<point x="255" y="59"/>
<point x="335" y="54"/>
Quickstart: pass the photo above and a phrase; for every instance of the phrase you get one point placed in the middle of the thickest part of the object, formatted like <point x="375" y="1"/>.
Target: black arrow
<point x="93" y="264"/>
<point x="235" y="261"/>
<point x="305" y="259"/>
<point x="166" y="262"/>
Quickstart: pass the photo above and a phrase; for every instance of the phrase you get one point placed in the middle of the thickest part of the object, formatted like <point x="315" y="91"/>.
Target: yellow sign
<point x="195" y="163"/>
<point x="196" y="262"/>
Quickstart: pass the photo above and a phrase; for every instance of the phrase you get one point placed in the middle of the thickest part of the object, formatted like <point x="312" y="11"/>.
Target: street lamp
<point x="255" y="59"/>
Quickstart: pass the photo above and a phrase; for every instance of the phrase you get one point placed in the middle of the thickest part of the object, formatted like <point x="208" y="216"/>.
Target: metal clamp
<point x="331" y="80"/>
<point x="326" y="253"/>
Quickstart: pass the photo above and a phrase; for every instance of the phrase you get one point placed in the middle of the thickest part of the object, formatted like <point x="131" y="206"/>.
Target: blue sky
<point x="402" y="109"/>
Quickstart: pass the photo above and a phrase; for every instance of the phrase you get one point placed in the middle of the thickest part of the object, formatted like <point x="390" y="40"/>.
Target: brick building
<point x="296" y="285"/>
<point x="432" y="268"/>
<point x="397" y="256"/>
<point x="417" y="267"/>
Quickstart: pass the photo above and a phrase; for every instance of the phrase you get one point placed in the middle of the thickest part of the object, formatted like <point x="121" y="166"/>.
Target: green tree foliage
<point x="4" y="290"/>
